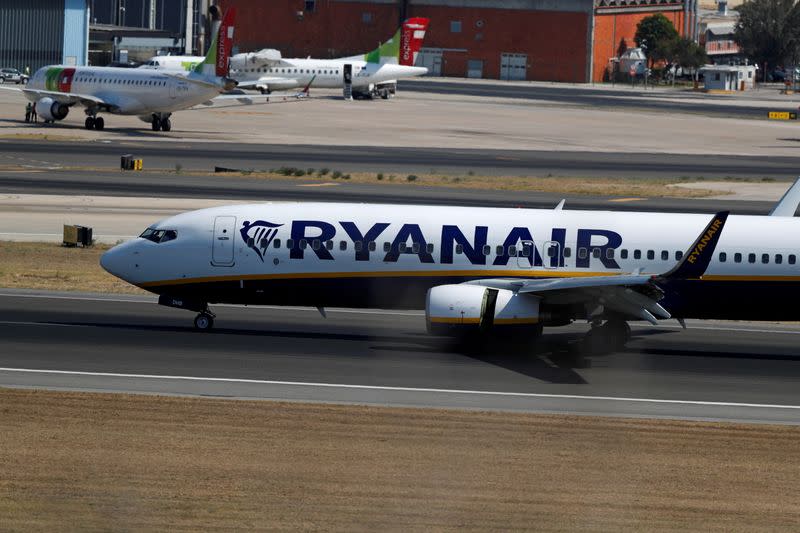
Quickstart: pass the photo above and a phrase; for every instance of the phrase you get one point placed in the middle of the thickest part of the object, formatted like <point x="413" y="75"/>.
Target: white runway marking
<point x="400" y="389"/>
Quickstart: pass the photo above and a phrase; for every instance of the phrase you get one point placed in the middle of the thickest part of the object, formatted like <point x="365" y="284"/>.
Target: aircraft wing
<point x="86" y="100"/>
<point x="630" y="294"/>
<point x="634" y="294"/>
<point x="254" y="84"/>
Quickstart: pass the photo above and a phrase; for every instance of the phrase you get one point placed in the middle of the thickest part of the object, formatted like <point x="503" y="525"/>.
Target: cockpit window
<point x="159" y="235"/>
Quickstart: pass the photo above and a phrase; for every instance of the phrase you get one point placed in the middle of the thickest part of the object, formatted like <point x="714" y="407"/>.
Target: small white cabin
<point x="729" y="77"/>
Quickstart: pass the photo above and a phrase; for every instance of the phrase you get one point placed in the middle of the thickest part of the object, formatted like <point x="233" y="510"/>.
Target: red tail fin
<point x="225" y="42"/>
<point x="411" y="38"/>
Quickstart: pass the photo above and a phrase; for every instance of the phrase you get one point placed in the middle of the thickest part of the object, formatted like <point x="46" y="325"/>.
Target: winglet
<point x="787" y="205"/>
<point x="696" y="260"/>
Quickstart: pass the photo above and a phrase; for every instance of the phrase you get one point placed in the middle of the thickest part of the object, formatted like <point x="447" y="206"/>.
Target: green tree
<point x="651" y="34"/>
<point x="681" y="52"/>
<point x="768" y="31"/>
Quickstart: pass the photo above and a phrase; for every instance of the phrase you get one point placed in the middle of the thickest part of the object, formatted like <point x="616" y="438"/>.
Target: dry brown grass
<point x="73" y="461"/>
<point x="638" y="187"/>
<point x="50" y="266"/>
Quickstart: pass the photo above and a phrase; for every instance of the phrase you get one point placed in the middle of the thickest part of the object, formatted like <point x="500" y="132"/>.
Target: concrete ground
<point x="440" y="120"/>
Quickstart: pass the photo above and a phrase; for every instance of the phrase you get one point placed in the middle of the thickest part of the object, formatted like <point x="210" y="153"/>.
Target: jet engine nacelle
<point x="255" y="59"/>
<point x="459" y="309"/>
<point x="49" y="109"/>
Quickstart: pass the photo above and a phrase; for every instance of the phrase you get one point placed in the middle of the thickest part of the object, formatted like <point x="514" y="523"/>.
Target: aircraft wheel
<point x="204" y="322"/>
<point x="385" y="94"/>
<point x="166" y="124"/>
<point x="156" y="124"/>
<point x="618" y="333"/>
<point x="99" y="123"/>
<point x="90" y="123"/>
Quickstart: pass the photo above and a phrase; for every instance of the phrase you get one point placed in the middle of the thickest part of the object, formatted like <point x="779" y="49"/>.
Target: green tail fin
<point x="211" y="58"/>
<point x="388" y="50"/>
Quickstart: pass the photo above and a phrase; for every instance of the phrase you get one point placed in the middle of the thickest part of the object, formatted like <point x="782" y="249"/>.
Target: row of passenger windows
<point x="295" y="70"/>
<point x="120" y="81"/>
<point x="526" y="250"/>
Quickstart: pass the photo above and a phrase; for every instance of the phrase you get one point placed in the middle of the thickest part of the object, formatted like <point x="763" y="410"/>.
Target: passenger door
<point x="222" y="252"/>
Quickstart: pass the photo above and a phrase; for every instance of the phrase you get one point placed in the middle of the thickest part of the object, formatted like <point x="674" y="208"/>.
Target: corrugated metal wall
<point x="76" y="35"/>
<point x="31" y="33"/>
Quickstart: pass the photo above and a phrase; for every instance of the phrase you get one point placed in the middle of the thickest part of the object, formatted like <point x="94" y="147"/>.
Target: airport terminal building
<point x="34" y="33"/>
<point x="548" y="40"/>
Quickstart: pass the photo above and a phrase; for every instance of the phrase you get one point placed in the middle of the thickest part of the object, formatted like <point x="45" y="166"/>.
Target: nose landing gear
<point x="204" y="321"/>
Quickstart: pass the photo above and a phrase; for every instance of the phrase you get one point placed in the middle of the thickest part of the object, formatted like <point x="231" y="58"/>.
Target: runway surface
<point x="724" y="371"/>
<point x="205" y="156"/>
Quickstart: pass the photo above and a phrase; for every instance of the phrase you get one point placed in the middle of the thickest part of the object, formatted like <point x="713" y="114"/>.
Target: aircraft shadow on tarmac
<point x="144" y="131"/>
<point x="554" y="358"/>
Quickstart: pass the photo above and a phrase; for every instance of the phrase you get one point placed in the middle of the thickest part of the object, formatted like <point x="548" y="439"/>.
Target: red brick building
<point x="552" y="40"/>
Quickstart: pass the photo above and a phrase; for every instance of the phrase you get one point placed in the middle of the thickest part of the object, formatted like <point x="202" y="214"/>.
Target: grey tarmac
<point x="204" y="156"/>
<point x="712" y="370"/>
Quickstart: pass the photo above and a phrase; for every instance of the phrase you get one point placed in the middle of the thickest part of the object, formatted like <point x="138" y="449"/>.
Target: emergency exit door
<point x="224" y="240"/>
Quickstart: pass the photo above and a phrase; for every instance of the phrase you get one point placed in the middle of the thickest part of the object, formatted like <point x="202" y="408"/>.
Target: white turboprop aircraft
<point x="373" y="74"/>
<point x="475" y="269"/>
<point x="152" y="96"/>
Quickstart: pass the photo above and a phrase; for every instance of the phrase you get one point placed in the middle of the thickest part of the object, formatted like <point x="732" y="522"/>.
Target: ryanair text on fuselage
<point x="472" y="243"/>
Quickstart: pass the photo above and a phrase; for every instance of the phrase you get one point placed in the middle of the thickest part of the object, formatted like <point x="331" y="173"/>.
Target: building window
<point x="310" y="5"/>
<point x="455" y="26"/>
<point x="366" y="17"/>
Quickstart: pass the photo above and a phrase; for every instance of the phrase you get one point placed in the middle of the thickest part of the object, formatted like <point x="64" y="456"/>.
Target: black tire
<point x="89" y="123"/>
<point x="99" y="123"/>
<point x="204" y="322"/>
<point x="166" y="124"/>
<point x="156" y="124"/>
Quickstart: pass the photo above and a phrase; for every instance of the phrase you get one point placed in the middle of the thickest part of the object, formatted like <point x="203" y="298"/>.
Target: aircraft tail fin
<point x="404" y="46"/>
<point x="414" y="30"/>
<point x="219" y="53"/>
<point x="695" y="261"/>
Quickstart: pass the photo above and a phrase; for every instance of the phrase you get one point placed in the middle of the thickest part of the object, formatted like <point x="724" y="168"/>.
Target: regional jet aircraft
<point x="152" y="96"/>
<point x="484" y="270"/>
<point x="373" y="74"/>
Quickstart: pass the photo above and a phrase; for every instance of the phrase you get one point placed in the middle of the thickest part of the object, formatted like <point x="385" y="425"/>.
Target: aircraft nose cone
<point x="108" y="260"/>
<point x="114" y="261"/>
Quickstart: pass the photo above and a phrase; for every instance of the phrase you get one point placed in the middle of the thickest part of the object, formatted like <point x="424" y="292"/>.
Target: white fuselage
<point x="296" y="73"/>
<point x="388" y="256"/>
<point x="124" y="91"/>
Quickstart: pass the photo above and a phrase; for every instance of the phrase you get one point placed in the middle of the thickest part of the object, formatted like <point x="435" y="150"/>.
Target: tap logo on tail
<point x="259" y="235"/>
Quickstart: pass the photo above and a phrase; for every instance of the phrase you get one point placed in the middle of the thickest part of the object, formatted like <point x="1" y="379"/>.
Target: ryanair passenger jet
<point x="482" y="270"/>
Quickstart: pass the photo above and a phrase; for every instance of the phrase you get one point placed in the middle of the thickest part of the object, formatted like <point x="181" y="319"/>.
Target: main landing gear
<point x="161" y="122"/>
<point x="95" y="123"/>
<point x="613" y="335"/>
